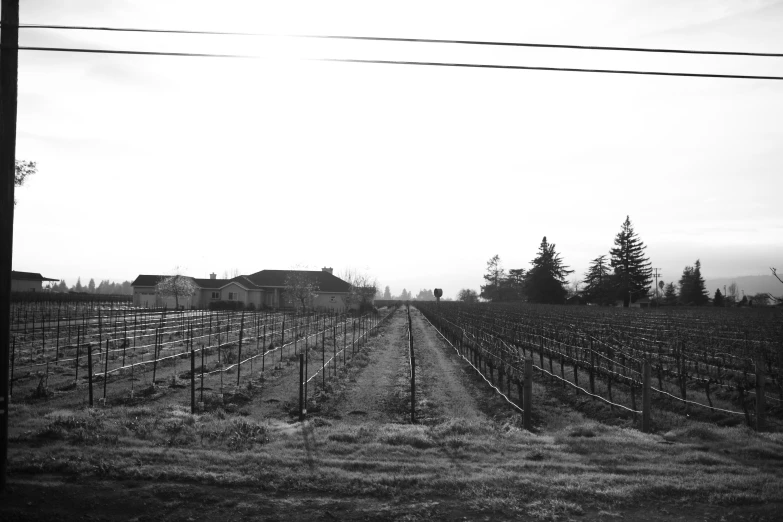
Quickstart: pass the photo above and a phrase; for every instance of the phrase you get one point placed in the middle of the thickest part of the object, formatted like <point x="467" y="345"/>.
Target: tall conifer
<point x="633" y="270"/>
<point x="544" y="282"/>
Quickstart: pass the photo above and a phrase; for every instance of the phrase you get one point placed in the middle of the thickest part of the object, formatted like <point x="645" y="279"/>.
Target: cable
<point x="397" y="62"/>
<point x="409" y="40"/>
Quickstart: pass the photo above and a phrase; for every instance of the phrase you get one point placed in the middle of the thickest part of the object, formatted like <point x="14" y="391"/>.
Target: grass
<point x="491" y="466"/>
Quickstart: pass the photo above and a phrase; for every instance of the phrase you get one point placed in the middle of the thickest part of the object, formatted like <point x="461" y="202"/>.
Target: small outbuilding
<point x="28" y="281"/>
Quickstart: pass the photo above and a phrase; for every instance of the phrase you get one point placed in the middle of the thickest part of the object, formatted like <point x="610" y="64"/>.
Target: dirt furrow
<point x="445" y="390"/>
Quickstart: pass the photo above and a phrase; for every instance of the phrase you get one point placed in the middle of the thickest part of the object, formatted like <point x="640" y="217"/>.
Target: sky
<point x="413" y="175"/>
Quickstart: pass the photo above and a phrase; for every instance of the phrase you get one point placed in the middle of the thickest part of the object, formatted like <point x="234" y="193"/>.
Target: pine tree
<point x="598" y="282"/>
<point x="670" y="294"/>
<point x="544" y="282"/>
<point x="91" y="286"/>
<point x="692" y="290"/>
<point x="718" y="299"/>
<point x="633" y="270"/>
<point x="78" y="287"/>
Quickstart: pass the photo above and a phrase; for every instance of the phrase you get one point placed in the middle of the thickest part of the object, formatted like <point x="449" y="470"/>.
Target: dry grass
<point x="492" y="467"/>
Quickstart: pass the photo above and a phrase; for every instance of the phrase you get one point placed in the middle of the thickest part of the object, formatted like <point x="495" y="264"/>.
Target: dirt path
<point x="375" y="395"/>
<point x="444" y="384"/>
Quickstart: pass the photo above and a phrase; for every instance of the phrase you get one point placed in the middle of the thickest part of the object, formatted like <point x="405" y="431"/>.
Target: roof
<point x="326" y="282"/>
<point x="264" y="279"/>
<point x="29" y="276"/>
<point x="147" y="280"/>
<point x="212" y="284"/>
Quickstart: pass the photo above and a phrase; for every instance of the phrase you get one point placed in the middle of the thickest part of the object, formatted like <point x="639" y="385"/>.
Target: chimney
<point x="213" y="275"/>
<point x="330" y="270"/>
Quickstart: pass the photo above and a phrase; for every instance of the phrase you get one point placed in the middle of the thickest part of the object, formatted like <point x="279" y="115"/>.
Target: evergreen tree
<point x="692" y="290"/>
<point x="514" y="285"/>
<point x="494" y="277"/>
<point x="62" y="287"/>
<point x="670" y="294"/>
<point x="633" y="270"/>
<point x="544" y="282"/>
<point x="91" y="286"/>
<point x="718" y="299"/>
<point x="599" y="283"/>
<point x="78" y="286"/>
<point x="387" y="293"/>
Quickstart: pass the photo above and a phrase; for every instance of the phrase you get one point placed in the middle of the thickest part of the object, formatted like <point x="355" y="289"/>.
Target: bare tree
<point x="300" y="287"/>
<point x="176" y="286"/>
<point x="732" y="294"/>
<point x="362" y="290"/>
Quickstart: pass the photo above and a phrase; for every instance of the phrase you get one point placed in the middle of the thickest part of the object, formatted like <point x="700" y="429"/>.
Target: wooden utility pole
<point x="9" y="59"/>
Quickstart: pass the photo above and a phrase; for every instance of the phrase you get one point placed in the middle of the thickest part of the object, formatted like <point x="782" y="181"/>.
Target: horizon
<point x="413" y="175"/>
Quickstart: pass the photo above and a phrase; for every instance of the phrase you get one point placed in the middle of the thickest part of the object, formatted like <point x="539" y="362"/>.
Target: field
<point x="165" y="445"/>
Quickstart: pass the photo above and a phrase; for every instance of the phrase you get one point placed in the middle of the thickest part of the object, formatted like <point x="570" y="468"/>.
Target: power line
<point x="400" y="62"/>
<point x="410" y="40"/>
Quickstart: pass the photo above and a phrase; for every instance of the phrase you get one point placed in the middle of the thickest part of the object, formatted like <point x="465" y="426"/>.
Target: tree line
<point x="105" y="287"/>
<point x="620" y="277"/>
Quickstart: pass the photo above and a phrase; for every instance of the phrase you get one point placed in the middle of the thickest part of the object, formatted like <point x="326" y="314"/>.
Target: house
<point x="642" y="302"/>
<point x="28" y="281"/>
<point x="264" y="289"/>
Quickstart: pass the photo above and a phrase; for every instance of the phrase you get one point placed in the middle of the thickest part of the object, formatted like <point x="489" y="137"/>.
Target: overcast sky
<point x="415" y="175"/>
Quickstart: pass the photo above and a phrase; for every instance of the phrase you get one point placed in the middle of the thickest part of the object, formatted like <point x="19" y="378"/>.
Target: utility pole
<point x="9" y="60"/>
<point x="656" y="275"/>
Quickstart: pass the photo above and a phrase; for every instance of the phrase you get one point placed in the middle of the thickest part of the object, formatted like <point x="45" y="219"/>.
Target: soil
<point x="372" y="389"/>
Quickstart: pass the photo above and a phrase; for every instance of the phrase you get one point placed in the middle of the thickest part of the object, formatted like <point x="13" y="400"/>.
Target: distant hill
<point x="750" y="284"/>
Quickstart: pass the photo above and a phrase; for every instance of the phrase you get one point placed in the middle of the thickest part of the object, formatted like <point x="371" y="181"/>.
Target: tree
<point x="732" y="294"/>
<point x="544" y="282"/>
<point x="514" y="285"/>
<point x="467" y="296"/>
<point x="362" y="288"/>
<point x="405" y="295"/>
<point x="23" y="169"/>
<point x="300" y="288"/>
<point x="599" y="282"/>
<point x="494" y="278"/>
<point x="425" y="295"/>
<point x="387" y="293"/>
<point x="718" y="299"/>
<point x="91" y="286"/>
<point x="62" y="287"/>
<point x="692" y="290"/>
<point x="670" y="294"/>
<point x="78" y="286"/>
<point x="176" y="286"/>
<point x="633" y="270"/>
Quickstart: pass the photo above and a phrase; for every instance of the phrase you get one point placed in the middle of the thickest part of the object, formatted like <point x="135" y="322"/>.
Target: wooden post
<point x="527" y="396"/>
<point x="13" y="357"/>
<point x="105" y="372"/>
<point x="239" y="352"/>
<point x="413" y="377"/>
<point x="301" y="387"/>
<point x="192" y="379"/>
<point x="646" y="396"/>
<point x="760" y="398"/>
<point x="89" y="370"/>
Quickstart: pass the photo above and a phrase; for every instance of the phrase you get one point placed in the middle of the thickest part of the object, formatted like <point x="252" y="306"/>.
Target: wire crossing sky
<point x="318" y="153"/>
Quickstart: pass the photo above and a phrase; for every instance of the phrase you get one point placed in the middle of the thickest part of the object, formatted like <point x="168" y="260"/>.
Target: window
<point x="215" y="295"/>
<point x="232" y="296"/>
<point x="332" y="299"/>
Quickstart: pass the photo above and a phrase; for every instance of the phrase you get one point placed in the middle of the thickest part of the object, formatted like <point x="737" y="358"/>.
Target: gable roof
<point x="258" y="281"/>
<point x="210" y="284"/>
<point x="148" y="280"/>
<point x="276" y="278"/>
<point x="29" y="276"/>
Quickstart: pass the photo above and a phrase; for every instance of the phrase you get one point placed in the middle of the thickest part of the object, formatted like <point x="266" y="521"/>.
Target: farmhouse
<point x="27" y="281"/>
<point x="264" y="289"/>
